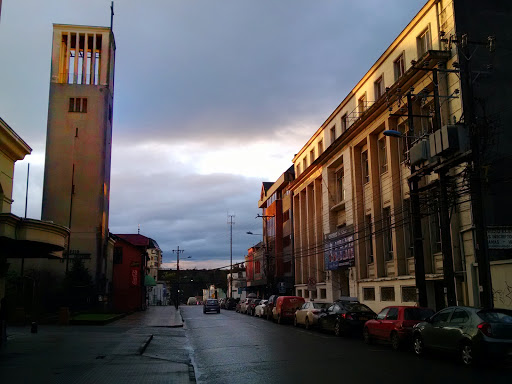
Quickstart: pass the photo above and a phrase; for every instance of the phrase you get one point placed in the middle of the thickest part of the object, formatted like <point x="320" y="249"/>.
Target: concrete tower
<point x="76" y="186"/>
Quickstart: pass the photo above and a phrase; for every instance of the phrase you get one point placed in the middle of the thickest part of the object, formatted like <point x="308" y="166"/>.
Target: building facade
<point x="358" y="229"/>
<point x="76" y="188"/>
<point x="276" y="205"/>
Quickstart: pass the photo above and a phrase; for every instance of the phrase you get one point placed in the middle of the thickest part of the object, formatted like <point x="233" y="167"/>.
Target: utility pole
<point x="230" y="223"/>
<point x="177" y="251"/>
<point x="419" y="258"/>
<point x="481" y="246"/>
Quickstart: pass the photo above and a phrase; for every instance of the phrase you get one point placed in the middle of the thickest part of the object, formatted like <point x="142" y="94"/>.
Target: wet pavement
<point x="233" y="348"/>
<point x="145" y="347"/>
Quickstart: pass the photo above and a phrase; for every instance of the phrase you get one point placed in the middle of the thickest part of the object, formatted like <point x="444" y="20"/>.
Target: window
<point x="427" y="123"/>
<point x="365" y="166"/>
<point x="311" y="156"/>
<point x="382" y="314"/>
<point x="299" y="292"/>
<point x="392" y="314"/>
<point x="388" y="233"/>
<point x="399" y="67"/>
<point x="369" y="239"/>
<point x="423" y="42"/>
<point x="409" y="294"/>
<point x="383" y="157"/>
<point x="313" y="295"/>
<point x="333" y="134"/>
<point x="442" y="317"/>
<point x="378" y="86"/>
<point x="304" y="163"/>
<point x="320" y="147"/>
<point x="387" y="293"/>
<point x="340" y="185"/>
<point x="404" y="142"/>
<point x="459" y="317"/>
<point x="298" y="169"/>
<point x="286" y="216"/>
<point x="323" y="293"/>
<point x="361" y="104"/>
<point x="369" y="294"/>
<point x="257" y="267"/>
<point x="78" y="104"/>
<point x="344" y="123"/>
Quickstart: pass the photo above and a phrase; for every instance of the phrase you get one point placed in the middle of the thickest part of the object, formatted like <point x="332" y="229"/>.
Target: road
<point x="233" y="348"/>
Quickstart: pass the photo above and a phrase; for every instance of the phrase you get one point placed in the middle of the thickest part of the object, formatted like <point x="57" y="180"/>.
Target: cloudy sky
<point x="212" y="97"/>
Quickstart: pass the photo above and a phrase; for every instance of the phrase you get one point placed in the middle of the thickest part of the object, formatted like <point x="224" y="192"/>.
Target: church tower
<point x="76" y="188"/>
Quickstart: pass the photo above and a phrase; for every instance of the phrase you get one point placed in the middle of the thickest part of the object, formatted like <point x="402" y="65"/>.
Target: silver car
<point x="308" y="313"/>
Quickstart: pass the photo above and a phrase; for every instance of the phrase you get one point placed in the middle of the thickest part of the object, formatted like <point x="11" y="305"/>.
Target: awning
<point x="149" y="281"/>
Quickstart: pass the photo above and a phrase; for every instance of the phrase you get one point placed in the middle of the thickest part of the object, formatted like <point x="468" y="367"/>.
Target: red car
<point x="394" y="324"/>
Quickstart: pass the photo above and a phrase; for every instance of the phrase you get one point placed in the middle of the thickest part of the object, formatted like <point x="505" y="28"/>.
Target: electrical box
<point x="420" y="152"/>
<point x="449" y="140"/>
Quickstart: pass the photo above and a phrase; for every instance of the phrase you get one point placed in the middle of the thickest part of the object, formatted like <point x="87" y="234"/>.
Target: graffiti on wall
<point x="503" y="296"/>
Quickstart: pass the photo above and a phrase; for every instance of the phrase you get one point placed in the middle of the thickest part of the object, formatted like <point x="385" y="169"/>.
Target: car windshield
<point x="212" y="302"/>
<point x="496" y="316"/>
<point x="417" y="313"/>
<point x="257" y="301"/>
<point x="320" y="305"/>
<point x="356" y="307"/>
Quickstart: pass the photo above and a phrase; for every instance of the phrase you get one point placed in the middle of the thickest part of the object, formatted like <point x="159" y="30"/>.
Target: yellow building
<point x="351" y="196"/>
<point x="22" y="240"/>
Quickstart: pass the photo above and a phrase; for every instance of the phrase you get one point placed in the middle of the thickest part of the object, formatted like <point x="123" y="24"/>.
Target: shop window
<point x="369" y="294"/>
<point x="313" y="295"/>
<point x="387" y="293"/>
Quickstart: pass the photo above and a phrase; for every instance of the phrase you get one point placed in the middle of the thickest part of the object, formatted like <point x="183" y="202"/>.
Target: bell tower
<point x="76" y="188"/>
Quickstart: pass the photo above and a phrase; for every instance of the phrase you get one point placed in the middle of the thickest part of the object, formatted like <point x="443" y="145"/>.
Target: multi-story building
<point x="413" y="110"/>
<point x="76" y="188"/>
<point x="255" y="266"/>
<point x="276" y="204"/>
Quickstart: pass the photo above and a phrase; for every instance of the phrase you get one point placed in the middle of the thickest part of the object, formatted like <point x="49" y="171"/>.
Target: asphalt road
<point x="233" y="348"/>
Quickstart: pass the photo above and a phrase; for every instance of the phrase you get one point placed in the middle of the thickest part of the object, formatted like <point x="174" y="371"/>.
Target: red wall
<point x="128" y="279"/>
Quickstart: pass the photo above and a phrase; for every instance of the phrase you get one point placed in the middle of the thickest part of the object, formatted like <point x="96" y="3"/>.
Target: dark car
<point x="394" y="324"/>
<point x="473" y="333"/>
<point x="252" y="306"/>
<point x="345" y="317"/>
<point x="270" y="305"/>
<point x="211" y="305"/>
<point x="231" y="303"/>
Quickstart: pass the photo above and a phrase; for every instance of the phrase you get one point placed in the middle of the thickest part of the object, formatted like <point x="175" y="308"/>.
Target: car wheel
<point x="418" y="345"/>
<point x="366" y="336"/>
<point x="306" y="325"/>
<point x="295" y="321"/>
<point x="395" y="341"/>
<point x="466" y="354"/>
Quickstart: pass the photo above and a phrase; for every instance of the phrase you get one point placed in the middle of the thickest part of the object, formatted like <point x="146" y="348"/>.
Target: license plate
<point x="363" y="318"/>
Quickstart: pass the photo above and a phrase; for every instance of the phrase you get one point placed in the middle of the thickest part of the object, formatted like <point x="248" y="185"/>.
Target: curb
<point x="145" y="344"/>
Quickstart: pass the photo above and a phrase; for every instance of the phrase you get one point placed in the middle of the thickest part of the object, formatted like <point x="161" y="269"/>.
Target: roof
<point x="139" y="240"/>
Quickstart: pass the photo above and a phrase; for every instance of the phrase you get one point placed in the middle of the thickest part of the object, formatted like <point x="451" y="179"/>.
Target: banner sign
<point x="499" y="237"/>
<point x="134" y="277"/>
<point x="339" y="248"/>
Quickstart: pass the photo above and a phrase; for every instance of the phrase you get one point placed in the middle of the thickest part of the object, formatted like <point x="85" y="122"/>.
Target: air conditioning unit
<point x="448" y="140"/>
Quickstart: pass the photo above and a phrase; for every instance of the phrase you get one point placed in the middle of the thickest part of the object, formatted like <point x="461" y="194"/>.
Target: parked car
<point x="192" y="301"/>
<point x="472" y="333"/>
<point x="238" y="306"/>
<point x="211" y="305"/>
<point x="252" y="306"/>
<point x="231" y="303"/>
<point x="285" y="308"/>
<point x="270" y="305"/>
<point x="261" y="309"/>
<point x="345" y="317"/>
<point x="245" y="305"/>
<point x="394" y="324"/>
<point x="308" y="314"/>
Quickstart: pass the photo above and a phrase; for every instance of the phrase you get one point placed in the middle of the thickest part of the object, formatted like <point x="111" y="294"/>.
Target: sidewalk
<point x="154" y="316"/>
<point x="145" y="347"/>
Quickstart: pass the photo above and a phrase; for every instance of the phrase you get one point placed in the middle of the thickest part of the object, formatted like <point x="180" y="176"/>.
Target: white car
<point x="261" y="309"/>
<point x="307" y="314"/>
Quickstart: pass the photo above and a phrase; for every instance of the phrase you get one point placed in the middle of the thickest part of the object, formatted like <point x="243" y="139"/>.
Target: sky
<point x="211" y="99"/>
